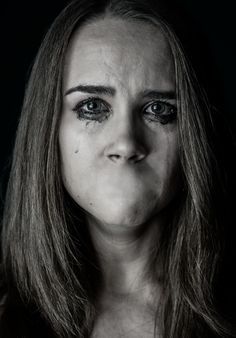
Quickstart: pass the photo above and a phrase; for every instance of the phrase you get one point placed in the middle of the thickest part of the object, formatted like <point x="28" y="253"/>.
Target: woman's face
<point x="118" y="134"/>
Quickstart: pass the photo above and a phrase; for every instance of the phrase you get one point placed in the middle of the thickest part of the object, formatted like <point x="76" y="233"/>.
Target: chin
<point x="126" y="219"/>
<point x="124" y="213"/>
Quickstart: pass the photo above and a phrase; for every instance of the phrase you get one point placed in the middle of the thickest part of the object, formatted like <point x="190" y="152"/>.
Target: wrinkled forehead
<point x="115" y="48"/>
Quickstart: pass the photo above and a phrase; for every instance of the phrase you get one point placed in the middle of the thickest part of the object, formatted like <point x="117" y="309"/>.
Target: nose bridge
<point x="126" y="126"/>
<point x="126" y="142"/>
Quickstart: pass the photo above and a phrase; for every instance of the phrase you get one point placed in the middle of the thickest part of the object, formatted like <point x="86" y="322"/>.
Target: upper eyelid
<point x="84" y="101"/>
<point x="166" y="101"/>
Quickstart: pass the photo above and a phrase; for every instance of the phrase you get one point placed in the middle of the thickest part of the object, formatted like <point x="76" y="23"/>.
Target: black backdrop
<point x="24" y="23"/>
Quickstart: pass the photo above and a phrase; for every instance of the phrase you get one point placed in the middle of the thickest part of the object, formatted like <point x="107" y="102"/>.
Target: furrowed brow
<point x="89" y="89"/>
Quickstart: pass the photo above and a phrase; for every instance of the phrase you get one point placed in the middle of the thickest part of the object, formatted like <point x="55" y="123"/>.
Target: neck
<point x="126" y="254"/>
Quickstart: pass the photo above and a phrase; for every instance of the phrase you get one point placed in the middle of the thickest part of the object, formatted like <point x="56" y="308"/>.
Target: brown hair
<point x="38" y="249"/>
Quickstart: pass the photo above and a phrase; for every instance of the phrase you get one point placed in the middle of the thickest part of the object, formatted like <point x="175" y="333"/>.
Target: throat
<point x="130" y="265"/>
<point x="124" y="317"/>
<point x="131" y="287"/>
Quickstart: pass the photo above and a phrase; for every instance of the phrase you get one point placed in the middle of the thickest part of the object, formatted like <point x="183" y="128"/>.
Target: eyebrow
<point x="99" y="90"/>
<point x="110" y="91"/>
<point x="154" y="94"/>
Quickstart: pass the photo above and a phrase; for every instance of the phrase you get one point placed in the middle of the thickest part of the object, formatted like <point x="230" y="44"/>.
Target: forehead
<point x="120" y="52"/>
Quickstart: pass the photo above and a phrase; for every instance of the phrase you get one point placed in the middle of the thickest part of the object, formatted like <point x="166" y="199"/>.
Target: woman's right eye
<point x="92" y="109"/>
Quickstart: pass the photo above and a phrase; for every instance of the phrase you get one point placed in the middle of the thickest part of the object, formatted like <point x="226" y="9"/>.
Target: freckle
<point x="90" y="203"/>
<point x="76" y="151"/>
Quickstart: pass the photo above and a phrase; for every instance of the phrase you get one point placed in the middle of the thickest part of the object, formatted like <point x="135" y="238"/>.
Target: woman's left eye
<point x="92" y="109"/>
<point x="160" y="111"/>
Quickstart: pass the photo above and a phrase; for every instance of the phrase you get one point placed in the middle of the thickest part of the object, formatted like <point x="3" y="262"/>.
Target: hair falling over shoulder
<point x="49" y="267"/>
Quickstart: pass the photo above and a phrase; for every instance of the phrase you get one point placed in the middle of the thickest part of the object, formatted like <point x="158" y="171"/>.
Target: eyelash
<point x="101" y="115"/>
<point x="83" y="115"/>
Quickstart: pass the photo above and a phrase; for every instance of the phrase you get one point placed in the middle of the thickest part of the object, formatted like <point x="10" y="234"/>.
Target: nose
<point x="126" y="144"/>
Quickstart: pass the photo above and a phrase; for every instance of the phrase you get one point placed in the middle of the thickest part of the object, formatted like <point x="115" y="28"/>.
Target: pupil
<point x="157" y="107"/>
<point x="92" y="105"/>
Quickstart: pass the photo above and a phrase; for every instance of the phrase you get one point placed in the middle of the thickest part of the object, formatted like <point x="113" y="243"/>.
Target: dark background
<point x="24" y="23"/>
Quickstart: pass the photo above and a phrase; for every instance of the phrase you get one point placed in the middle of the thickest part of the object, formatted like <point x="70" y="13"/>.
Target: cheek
<point x="165" y="155"/>
<point x="77" y="153"/>
<point x="166" y="164"/>
<point x="69" y="145"/>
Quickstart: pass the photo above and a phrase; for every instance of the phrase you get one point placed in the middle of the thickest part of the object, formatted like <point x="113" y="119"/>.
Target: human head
<point x="49" y="92"/>
<point x="37" y="213"/>
<point x="122" y="169"/>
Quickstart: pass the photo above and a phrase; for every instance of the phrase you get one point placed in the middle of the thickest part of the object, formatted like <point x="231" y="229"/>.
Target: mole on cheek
<point x="76" y="151"/>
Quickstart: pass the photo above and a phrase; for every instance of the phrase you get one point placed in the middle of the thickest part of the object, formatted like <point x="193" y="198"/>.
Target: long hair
<point x="47" y="259"/>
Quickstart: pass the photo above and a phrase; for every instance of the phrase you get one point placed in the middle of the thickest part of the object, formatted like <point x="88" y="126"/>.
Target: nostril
<point x="132" y="158"/>
<point x="114" y="157"/>
<point x="125" y="150"/>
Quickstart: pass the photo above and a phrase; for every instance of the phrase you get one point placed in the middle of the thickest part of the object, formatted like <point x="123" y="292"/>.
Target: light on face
<point x="119" y="115"/>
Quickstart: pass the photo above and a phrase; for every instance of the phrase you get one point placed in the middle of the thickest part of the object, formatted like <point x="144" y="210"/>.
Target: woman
<point x="110" y="226"/>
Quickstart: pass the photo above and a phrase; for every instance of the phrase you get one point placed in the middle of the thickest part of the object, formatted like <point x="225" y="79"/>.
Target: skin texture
<point x="121" y="170"/>
<point x="121" y="164"/>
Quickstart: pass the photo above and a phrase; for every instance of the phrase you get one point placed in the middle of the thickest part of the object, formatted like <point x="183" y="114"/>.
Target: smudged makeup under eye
<point x="92" y="109"/>
<point x="160" y="111"/>
<point x="96" y="109"/>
